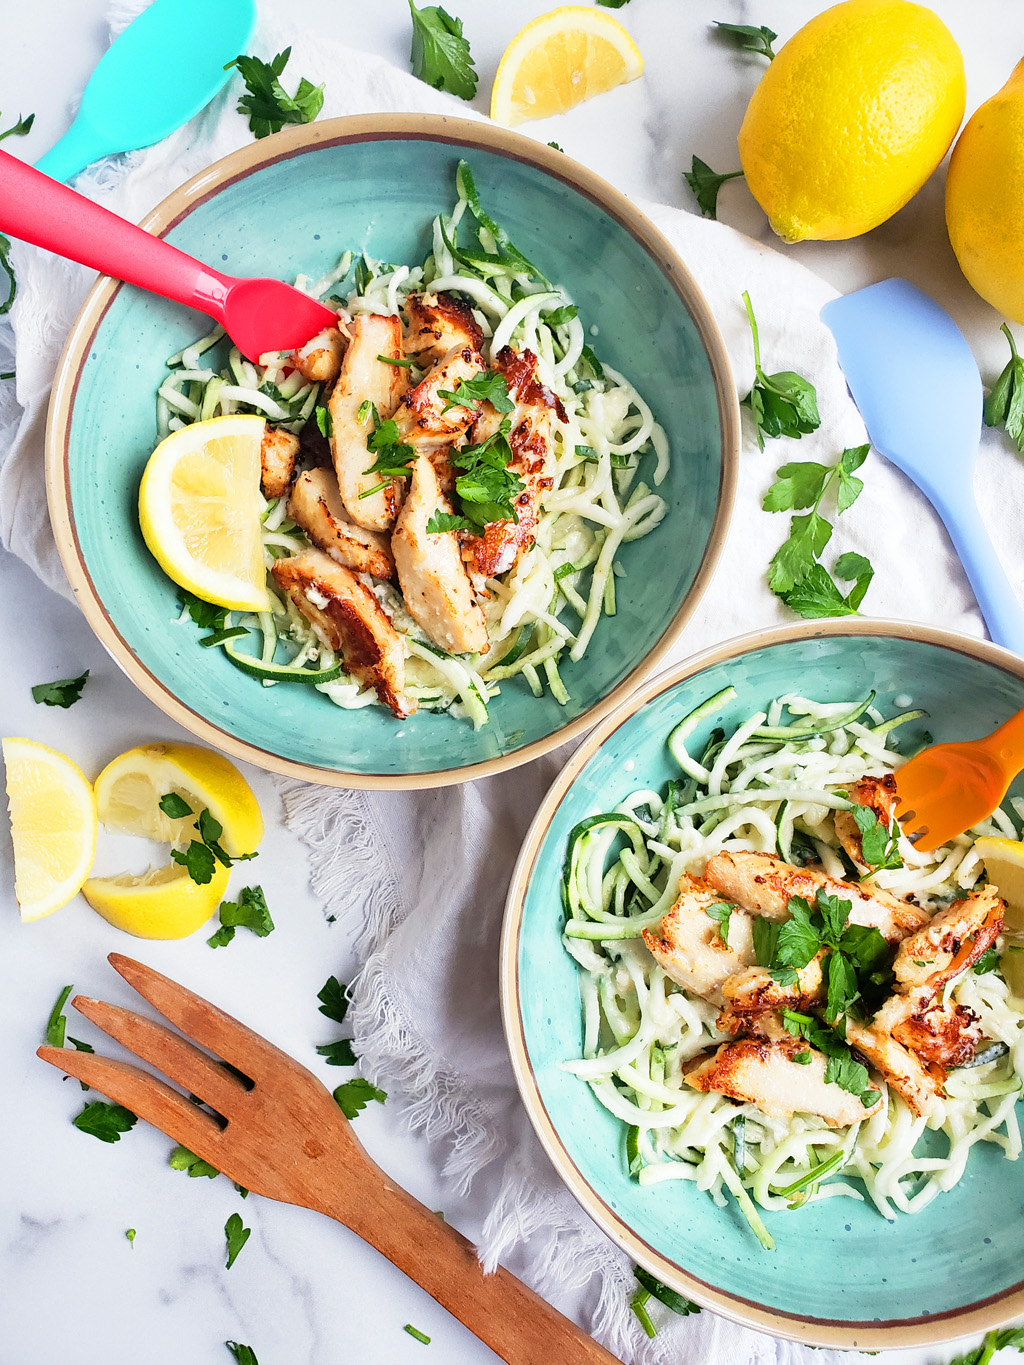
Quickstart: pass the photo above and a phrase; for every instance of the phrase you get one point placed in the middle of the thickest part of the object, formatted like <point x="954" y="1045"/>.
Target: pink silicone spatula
<point x="259" y="315"/>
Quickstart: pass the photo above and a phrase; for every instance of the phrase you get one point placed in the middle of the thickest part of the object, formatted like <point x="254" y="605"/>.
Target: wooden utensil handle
<point x="517" y="1324"/>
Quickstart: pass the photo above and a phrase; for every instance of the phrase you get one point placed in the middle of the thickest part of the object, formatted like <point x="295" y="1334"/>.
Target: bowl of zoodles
<point x="490" y="497"/>
<point x="774" y="1049"/>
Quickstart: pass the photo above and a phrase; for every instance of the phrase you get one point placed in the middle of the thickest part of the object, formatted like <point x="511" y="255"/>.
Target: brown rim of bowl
<point x="980" y="1316"/>
<point x="283" y="146"/>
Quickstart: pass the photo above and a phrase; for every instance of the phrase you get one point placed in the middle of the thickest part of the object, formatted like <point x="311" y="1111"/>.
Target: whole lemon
<point x="851" y="118"/>
<point x="985" y="198"/>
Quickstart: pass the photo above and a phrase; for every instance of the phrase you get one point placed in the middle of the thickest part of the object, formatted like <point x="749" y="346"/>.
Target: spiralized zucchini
<point x="772" y="786"/>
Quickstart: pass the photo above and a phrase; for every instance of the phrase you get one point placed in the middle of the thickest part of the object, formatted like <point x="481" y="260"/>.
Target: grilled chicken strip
<point x="422" y="420"/>
<point x="764" y="884"/>
<point x="533" y="461"/>
<point x="689" y="947"/>
<point x="347" y="618"/>
<point x="316" y="505"/>
<point x="320" y="359"/>
<point x="277" y="461"/>
<point x="435" y="585"/>
<point x="439" y="324"/>
<point x="363" y="377"/>
<point x="947" y="1035"/>
<point x="754" y="989"/>
<point x="902" y="1069"/>
<point x="951" y="942"/>
<point x="877" y="794"/>
<point x="764" y="1074"/>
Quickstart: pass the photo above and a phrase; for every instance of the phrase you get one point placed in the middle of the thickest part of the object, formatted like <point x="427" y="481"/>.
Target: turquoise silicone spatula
<point x="916" y="383"/>
<point x="166" y="65"/>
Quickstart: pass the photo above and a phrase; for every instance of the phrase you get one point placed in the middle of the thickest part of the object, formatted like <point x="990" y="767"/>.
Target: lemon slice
<point x="1004" y="864"/>
<point x="129" y="789"/>
<point x="53" y="826"/>
<point x="559" y="60"/>
<point x="163" y="903"/>
<point x="199" y="508"/>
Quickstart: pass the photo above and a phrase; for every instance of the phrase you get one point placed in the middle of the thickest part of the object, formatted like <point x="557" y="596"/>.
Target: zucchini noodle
<point x="546" y="609"/>
<point x="772" y="786"/>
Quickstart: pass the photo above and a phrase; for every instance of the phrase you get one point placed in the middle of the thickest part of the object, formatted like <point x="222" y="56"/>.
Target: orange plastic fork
<point x="951" y="787"/>
<point x="282" y="1135"/>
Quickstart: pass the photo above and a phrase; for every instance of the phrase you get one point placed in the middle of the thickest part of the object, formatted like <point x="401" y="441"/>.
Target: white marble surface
<point x="303" y="1290"/>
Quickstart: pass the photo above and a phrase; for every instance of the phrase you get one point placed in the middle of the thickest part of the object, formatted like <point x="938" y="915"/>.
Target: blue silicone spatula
<point x="916" y="383"/>
<point x="156" y="75"/>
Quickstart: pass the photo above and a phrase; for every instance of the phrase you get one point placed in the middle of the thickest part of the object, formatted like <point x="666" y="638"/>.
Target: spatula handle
<point x="1004" y="616"/>
<point x="37" y="209"/>
<point x="517" y="1324"/>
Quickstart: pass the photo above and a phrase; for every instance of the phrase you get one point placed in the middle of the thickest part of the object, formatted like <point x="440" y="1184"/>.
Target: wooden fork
<point x="283" y="1136"/>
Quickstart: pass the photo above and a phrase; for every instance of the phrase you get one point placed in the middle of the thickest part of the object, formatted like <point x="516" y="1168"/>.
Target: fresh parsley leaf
<point x="440" y="55"/>
<point x="449" y="521"/>
<point x="79" y="1046"/>
<point x="809" y="533"/>
<point x="250" y="911"/>
<point x="721" y="914"/>
<point x="842" y="987"/>
<point x="865" y="946"/>
<point x="182" y="1159"/>
<point x="610" y="4"/>
<point x="663" y="1294"/>
<point x="325" y="422"/>
<point x="491" y="386"/>
<point x="174" y="806"/>
<point x="748" y="38"/>
<point x="220" y="938"/>
<point x="20" y="128"/>
<point x="333" y="1000"/>
<point x="782" y="404"/>
<point x="197" y="860"/>
<point x="798" y="940"/>
<point x="878" y="844"/>
<point x="56" y="1023"/>
<point x="12" y="284"/>
<point x="204" y="614"/>
<point x="237" y="1236"/>
<point x="798" y="485"/>
<point x="816" y="594"/>
<point x="802" y="1057"/>
<point x="105" y="1121"/>
<point x="1004" y="407"/>
<point x="834" y="915"/>
<point x="988" y="962"/>
<point x="555" y="144"/>
<point x="415" y="1332"/>
<point x="353" y="1097"/>
<point x="244" y="1355"/>
<point x="705" y="184"/>
<point x="850" y="1076"/>
<point x="339" y="1053"/>
<point x="63" y="693"/>
<point x="267" y="105"/>
<point x="766" y="939"/>
<point x="558" y="317"/>
<point x="130" y="1234"/>
<point x="850" y="488"/>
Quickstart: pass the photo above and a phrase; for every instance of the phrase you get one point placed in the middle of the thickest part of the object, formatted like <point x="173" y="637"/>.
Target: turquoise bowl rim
<point x="290" y="143"/>
<point x="984" y="1314"/>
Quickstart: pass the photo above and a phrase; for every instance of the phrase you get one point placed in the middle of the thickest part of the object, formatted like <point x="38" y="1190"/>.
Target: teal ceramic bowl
<point x="840" y="1276"/>
<point x="290" y="204"/>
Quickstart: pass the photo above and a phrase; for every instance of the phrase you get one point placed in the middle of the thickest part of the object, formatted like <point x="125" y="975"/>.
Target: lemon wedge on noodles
<point x="1004" y="864"/>
<point x="559" y="60"/>
<point x="53" y="826"/>
<point x="199" y="509"/>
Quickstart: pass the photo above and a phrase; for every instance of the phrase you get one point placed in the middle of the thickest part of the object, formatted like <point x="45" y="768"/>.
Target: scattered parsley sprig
<point x="353" y="1097"/>
<point x="1004" y="407"/>
<point x="491" y="387"/>
<point x="879" y="846"/>
<point x="782" y="404"/>
<point x="18" y="129"/>
<point x="267" y="105"/>
<point x="1009" y="1337"/>
<point x="485" y="488"/>
<point x="393" y="456"/>
<point x="334" y="1004"/>
<point x="105" y="1121"/>
<point x="237" y="1236"/>
<point x="794" y="573"/>
<point x="440" y="54"/>
<point x="63" y="693"/>
<point x="203" y="854"/>
<point x="721" y="913"/>
<point x="250" y="911"/>
<point x="705" y="184"/>
<point x="244" y="1355"/>
<point x="749" y="38"/>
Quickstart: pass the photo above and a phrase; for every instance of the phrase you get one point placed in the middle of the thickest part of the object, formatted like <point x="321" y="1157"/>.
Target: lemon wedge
<point x="559" y="60"/>
<point x="130" y="788"/>
<point x="53" y="826"/>
<point x="162" y="903"/>
<point x="1004" y="864"/>
<point x="199" y="509"/>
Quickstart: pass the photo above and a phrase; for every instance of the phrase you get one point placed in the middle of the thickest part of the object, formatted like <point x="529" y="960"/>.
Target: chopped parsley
<point x="63" y="693"/>
<point x="878" y="844"/>
<point x="705" y="184"/>
<point x="415" y="1332"/>
<point x="721" y="914"/>
<point x="333" y="1000"/>
<point x="485" y="487"/>
<point x="325" y="422"/>
<point x="339" y="1053"/>
<point x="206" y="615"/>
<point x="182" y="1159"/>
<point x="353" y="1097"/>
<point x="748" y="38"/>
<point x="56" y="1023"/>
<point x="393" y="456"/>
<point x="267" y="105"/>
<point x="202" y="855"/>
<point x="1004" y="407"/>
<point x="237" y="1236"/>
<point x="783" y="404"/>
<point x="1004" y="1340"/>
<point x="244" y="1355"/>
<point x="988" y="962"/>
<point x="105" y="1121"/>
<point x="130" y="1234"/>
<point x="250" y="911"/>
<point x="440" y="55"/>
<point x="491" y="387"/>
<point x="558" y="317"/>
<point x="18" y="129"/>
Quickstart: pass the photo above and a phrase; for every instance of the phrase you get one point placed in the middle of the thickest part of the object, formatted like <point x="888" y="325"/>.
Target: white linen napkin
<point x="427" y="872"/>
